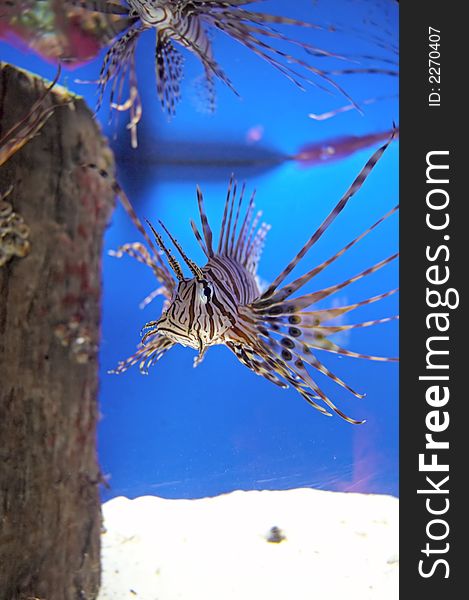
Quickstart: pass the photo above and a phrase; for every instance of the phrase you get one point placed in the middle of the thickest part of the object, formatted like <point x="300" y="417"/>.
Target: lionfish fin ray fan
<point x="283" y="293"/>
<point x="293" y="335"/>
<point x="255" y="363"/>
<point x="277" y="360"/>
<point x="329" y="346"/>
<point x="199" y="239"/>
<point x="118" y="63"/>
<point x="243" y="245"/>
<point x="211" y="67"/>
<point x="315" y="318"/>
<point x="326" y="330"/>
<point x="146" y="356"/>
<point x="169" y="64"/>
<point x="208" y="235"/>
<point x="294" y="305"/>
<point x="352" y="190"/>
<point x="231" y="184"/>
<point x="301" y="352"/>
<point x="233" y="24"/>
<point x="240" y="246"/>
<point x="210" y="90"/>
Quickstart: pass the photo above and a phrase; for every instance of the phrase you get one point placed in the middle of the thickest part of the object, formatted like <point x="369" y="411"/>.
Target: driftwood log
<point x="50" y="296"/>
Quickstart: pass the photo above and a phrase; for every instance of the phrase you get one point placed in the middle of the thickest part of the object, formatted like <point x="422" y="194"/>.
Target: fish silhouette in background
<point x="269" y="331"/>
<point x="339" y="147"/>
<point x="188" y="160"/>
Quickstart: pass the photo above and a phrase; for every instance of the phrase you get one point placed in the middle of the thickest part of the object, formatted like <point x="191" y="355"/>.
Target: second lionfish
<point x="221" y="303"/>
<point x="188" y="24"/>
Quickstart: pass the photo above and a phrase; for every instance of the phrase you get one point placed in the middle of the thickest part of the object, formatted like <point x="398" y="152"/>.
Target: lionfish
<point x="188" y="23"/>
<point x="222" y="303"/>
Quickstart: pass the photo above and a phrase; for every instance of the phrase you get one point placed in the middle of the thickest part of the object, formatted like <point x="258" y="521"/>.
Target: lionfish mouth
<point x="172" y="332"/>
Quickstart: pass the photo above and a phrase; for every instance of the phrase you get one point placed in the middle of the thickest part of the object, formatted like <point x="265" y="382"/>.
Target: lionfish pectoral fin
<point x="161" y="291"/>
<point x="211" y="67"/>
<point x="300" y="370"/>
<point x="119" y="66"/>
<point x="255" y="363"/>
<point x="329" y="346"/>
<point x="169" y="72"/>
<point x="274" y="346"/>
<point x="136" y="250"/>
<point x="200" y="357"/>
<point x="146" y="356"/>
<point x="248" y="28"/>
<point x="309" y="399"/>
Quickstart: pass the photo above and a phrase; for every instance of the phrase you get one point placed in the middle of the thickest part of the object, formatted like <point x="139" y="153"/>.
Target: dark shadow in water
<point x="215" y="161"/>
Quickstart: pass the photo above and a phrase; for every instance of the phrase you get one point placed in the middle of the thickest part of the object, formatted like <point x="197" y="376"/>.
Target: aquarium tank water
<point x="181" y="432"/>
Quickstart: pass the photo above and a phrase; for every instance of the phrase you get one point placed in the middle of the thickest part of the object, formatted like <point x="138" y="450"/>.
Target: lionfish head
<point x="196" y="315"/>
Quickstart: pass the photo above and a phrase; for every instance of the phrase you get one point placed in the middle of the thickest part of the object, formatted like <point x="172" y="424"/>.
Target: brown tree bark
<point x="50" y="515"/>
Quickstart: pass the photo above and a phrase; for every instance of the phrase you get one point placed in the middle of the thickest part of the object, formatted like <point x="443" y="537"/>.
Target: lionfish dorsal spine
<point x="351" y="191"/>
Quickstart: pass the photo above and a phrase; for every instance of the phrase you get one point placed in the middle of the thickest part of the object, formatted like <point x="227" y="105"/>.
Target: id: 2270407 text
<point x="434" y="67"/>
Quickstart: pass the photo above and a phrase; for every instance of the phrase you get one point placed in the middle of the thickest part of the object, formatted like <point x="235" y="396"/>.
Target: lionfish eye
<point x="206" y="291"/>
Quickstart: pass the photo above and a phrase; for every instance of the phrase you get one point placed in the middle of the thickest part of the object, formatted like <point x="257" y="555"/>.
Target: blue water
<point x="184" y="432"/>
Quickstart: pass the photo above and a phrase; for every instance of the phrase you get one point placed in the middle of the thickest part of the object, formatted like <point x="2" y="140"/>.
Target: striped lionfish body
<point x="269" y="331"/>
<point x="188" y="23"/>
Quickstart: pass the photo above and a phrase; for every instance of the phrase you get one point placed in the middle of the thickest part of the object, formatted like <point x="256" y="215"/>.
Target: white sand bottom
<point x="337" y="546"/>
